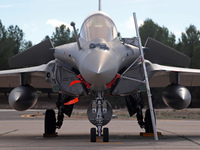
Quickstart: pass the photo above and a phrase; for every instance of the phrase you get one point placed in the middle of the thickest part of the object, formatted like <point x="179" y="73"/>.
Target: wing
<point x="170" y="62"/>
<point x="36" y="75"/>
<point x="37" y="55"/>
<point x="41" y="68"/>
<point x="162" y="54"/>
<point x="164" y="75"/>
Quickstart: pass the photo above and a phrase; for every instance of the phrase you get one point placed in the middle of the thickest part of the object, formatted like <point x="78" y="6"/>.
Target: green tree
<point x="6" y="46"/>
<point x="16" y="34"/>
<point x="189" y="40"/>
<point x="25" y="45"/>
<point x="153" y="30"/>
<point x="11" y="43"/>
<point x="195" y="63"/>
<point x="119" y="36"/>
<point x="73" y="37"/>
<point x="61" y="35"/>
<point x="148" y="29"/>
<point x="46" y="38"/>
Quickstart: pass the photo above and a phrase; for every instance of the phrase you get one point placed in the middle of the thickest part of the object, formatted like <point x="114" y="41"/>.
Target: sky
<point x="38" y="18"/>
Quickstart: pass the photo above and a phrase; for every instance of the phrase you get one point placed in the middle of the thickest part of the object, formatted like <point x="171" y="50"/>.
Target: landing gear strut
<point x="99" y="114"/>
<point x="50" y="123"/>
<point x="135" y="104"/>
<point x="63" y="109"/>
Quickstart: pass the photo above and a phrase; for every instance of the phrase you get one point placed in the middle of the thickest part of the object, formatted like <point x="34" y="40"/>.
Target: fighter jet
<point x="99" y="63"/>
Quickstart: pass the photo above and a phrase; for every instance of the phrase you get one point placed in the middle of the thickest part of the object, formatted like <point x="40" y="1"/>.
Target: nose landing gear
<point x="99" y="114"/>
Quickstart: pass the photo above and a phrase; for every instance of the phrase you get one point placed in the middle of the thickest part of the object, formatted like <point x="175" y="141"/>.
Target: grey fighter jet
<point x="99" y="63"/>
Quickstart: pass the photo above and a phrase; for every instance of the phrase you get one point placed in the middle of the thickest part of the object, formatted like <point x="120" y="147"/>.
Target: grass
<point x="165" y="114"/>
<point x="189" y="114"/>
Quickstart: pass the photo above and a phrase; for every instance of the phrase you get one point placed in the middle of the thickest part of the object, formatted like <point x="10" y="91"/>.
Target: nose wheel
<point x="93" y="135"/>
<point x="99" y="114"/>
<point x="105" y="135"/>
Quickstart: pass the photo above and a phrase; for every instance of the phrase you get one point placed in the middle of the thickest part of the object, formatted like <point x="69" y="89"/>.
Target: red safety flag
<point x="113" y="81"/>
<point x="73" y="101"/>
<point x="83" y="81"/>
<point x="75" y="82"/>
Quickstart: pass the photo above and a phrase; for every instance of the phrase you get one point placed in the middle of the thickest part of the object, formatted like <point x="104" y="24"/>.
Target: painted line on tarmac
<point x="38" y="115"/>
<point x="9" y="132"/>
<point x="181" y="136"/>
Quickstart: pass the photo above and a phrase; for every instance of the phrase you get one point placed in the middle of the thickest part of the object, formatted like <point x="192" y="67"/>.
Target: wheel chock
<point x="149" y="134"/>
<point x="50" y="135"/>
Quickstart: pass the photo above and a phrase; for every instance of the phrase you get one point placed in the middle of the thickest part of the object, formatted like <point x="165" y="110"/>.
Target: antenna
<point x="99" y="5"/>
<point x="78" y="43"/>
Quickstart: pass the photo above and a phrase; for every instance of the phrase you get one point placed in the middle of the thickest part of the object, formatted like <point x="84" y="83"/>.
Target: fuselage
<point x="102" y="54"/>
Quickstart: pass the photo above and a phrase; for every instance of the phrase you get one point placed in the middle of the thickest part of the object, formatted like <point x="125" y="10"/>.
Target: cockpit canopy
<point x="98" y="25"/>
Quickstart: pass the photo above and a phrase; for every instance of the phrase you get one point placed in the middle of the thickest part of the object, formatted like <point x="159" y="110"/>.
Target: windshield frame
<point x="98" y="25"/>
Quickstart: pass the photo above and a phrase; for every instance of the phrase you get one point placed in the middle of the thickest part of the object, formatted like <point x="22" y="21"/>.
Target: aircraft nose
<point x="99" y="68"/>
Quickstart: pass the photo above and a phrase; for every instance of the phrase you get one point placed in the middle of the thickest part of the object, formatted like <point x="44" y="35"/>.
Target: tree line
<point x="11" y="43"/>
<point x="62" y="35"/>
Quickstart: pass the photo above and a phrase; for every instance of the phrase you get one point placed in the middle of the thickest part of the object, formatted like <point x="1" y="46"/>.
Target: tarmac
<point x="22" y="131"/>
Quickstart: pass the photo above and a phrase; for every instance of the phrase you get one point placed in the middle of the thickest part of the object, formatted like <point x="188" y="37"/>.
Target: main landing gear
<point x="99" y="114"/>
<point x="50" y="123"/>
<point x="135" y="105"/>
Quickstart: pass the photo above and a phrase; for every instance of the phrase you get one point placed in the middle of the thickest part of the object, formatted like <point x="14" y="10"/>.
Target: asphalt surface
<point x="24" y="130"/>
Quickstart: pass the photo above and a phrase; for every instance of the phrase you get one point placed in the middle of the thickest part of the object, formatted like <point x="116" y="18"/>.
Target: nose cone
<point x="99" y="68"/>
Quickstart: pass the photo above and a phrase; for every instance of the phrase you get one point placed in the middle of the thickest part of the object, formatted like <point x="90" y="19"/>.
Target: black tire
<point x="93" y="135"/>
<point x="105" y="135"/>
<point x="148" y="122"/>
<point x="50" y="122"/>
